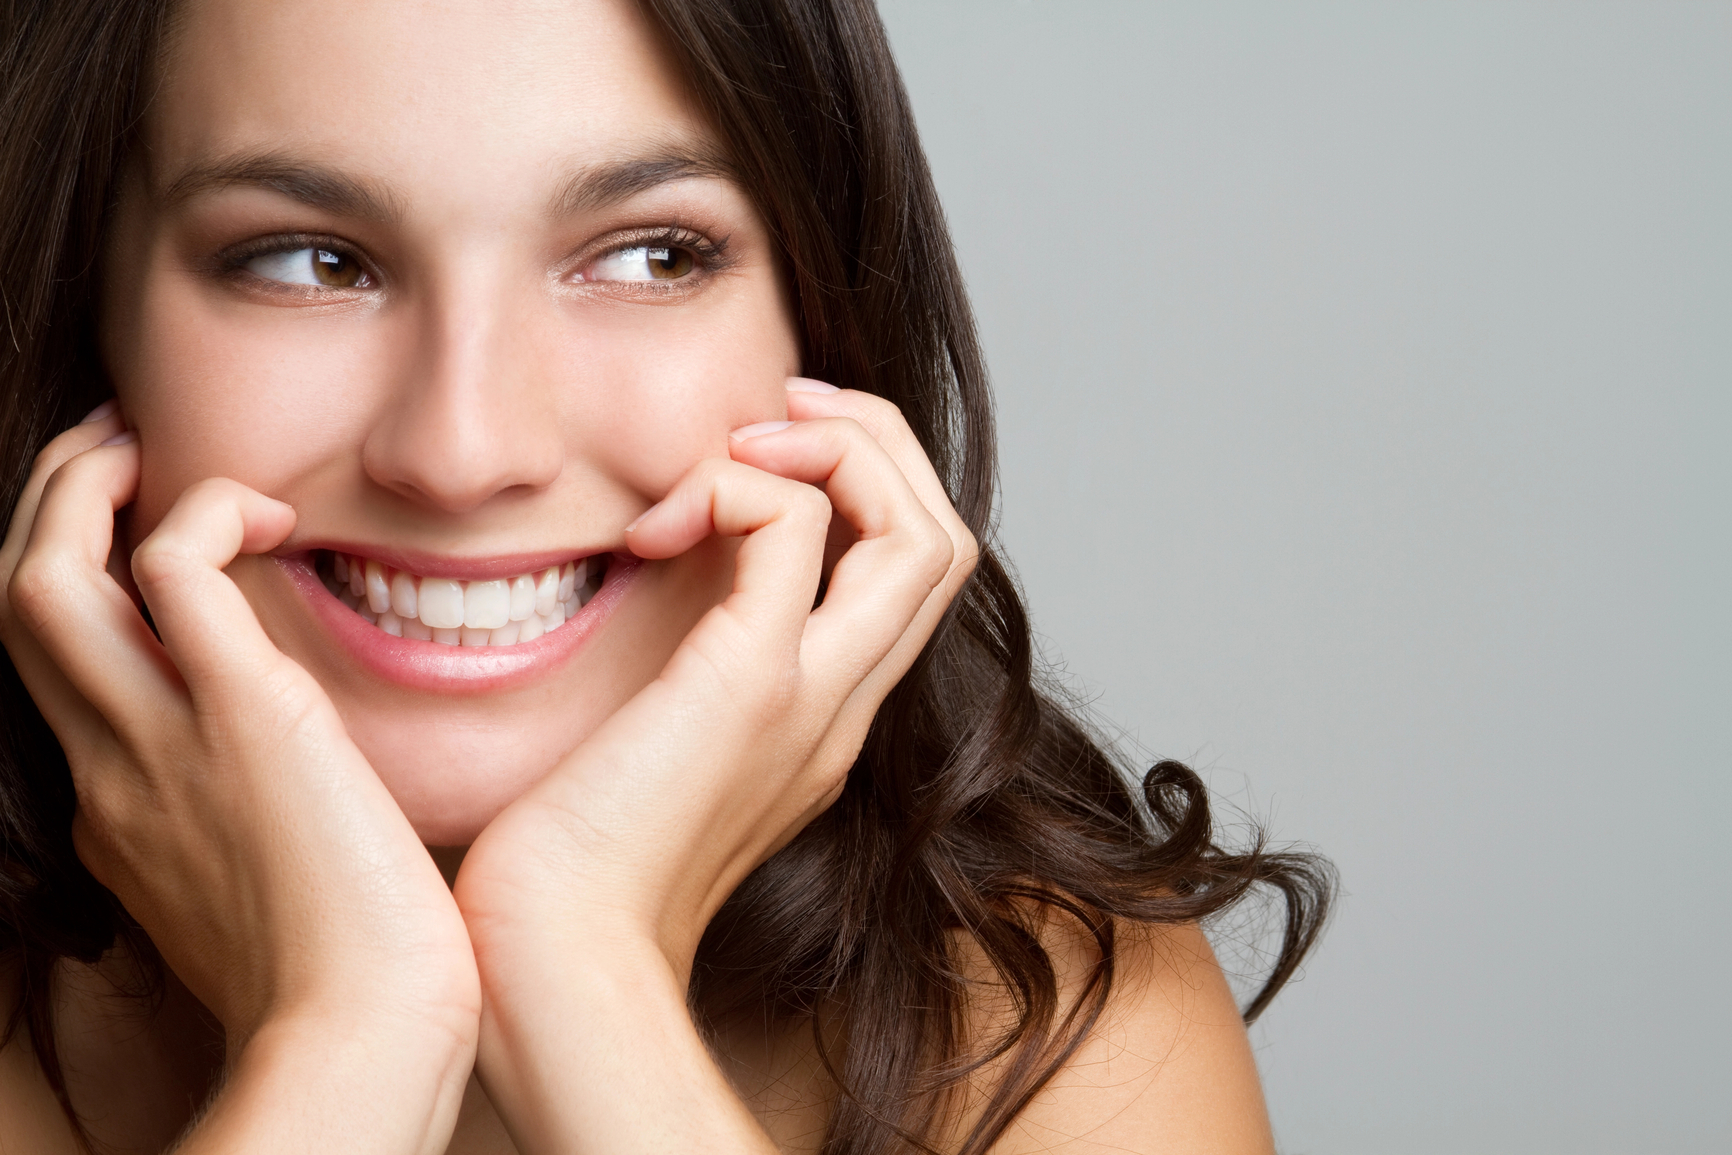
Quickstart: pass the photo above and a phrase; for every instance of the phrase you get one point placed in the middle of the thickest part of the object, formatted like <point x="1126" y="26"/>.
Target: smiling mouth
<point x="500" y="612"/>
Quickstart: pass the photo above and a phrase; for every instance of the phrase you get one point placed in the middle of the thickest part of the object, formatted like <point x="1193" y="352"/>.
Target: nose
<point x="473" y="414"/>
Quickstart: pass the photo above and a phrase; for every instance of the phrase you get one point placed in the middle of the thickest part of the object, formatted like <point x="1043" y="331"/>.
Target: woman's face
<point x="467" y="285"/>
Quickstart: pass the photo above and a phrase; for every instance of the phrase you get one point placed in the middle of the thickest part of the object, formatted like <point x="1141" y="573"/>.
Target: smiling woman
<point x="520" y="663"/>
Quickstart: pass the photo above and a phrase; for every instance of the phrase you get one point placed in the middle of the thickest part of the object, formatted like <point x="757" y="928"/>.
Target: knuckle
<point x="66" y="471"/>
<point x="709" y="473"/>
<point x="870" y="409"/>
<point x="209" y="490"/>
<point x="810" y="513"/>
<point x="835" y="780"/>
<point x="105" y="801"/>
<point x="934" y="553"/>
<point x="812" y="504"/>
<point x="157" y="560"/>
<point x="47" y="459"/>
<point x="36" y="593"/>
<point x="844" y="428"/>
<point x="967" y="552"/>
<point x="90" y="845"/>
<point x="53" y="457"/>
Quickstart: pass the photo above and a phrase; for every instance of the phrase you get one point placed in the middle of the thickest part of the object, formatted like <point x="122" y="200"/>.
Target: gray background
<point x="1363" y="372"/>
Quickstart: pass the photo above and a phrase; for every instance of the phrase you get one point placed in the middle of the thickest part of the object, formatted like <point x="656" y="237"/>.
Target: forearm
<point x="600" y="1055"/>
<point x="336" y="1083"/>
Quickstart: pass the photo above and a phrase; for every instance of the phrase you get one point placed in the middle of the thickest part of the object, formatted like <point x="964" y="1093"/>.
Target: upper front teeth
<point x="475" y="613"/>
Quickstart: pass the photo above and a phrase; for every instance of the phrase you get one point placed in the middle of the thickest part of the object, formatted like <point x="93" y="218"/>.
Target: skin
<point x="263" y="804"/>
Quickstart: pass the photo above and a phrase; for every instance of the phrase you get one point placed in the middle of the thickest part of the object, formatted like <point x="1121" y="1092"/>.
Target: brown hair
<point x="980" y="800"/>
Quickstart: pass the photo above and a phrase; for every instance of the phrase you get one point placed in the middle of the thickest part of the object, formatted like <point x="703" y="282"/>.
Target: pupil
<point x="669" y="264"/>
<point x="335" y="269"/>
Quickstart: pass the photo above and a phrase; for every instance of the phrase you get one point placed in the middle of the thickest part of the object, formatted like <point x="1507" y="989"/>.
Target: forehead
<point x="487" y="97"/>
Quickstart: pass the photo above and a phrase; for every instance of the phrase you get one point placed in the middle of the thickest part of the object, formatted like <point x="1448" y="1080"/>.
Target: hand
<point x="596" y="885"/>
<point x="221" y="800"/>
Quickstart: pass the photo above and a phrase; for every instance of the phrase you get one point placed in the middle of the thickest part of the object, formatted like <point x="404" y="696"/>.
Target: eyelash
<point x="233" y="261"/>
<point x="711" y="256"/>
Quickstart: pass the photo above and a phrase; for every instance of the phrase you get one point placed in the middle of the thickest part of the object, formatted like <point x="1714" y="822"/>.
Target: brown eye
<point x="644" y="263"/>
<point x="338" y="270"/>
<point x="324" y="268"/>
<point x="669" y="264"/>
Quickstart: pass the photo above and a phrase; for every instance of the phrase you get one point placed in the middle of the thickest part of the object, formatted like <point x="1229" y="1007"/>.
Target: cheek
<point x="669" y="388"/>
<point x="282" y="399"/>
<point x="214" y="392"/>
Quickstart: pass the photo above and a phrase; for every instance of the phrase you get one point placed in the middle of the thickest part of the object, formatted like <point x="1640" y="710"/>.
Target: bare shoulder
<point x="1168" y="1068"/>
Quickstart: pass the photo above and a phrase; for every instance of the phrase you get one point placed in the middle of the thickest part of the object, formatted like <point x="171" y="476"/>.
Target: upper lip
<point x="424" y="563"/>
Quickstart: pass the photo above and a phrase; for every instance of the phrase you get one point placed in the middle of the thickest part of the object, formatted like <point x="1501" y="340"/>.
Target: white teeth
<point x="457" y="613"/>
<point x="405" y="598"/>
<point x="529" y="629"/>
<point x="378" y="589"/>
<point x="487" y="605"/>
<point x="547" y="591"/>
<point x="441" y="603"/>
<point x="522" y="597"/>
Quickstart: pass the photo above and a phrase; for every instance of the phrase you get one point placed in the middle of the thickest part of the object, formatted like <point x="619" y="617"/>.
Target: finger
<point x="901" y="552"/>
<point x="783" y="522"/>
<point x="103" y="423"/>
<point x="207" y="625"/>
<point x="808" y="399"/>
<point x="75" y="636"/>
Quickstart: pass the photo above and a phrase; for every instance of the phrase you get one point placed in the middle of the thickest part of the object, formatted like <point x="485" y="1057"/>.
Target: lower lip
<point x="459" y="669"/>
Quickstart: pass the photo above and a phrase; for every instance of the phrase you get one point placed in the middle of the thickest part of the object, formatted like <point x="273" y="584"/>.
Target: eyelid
<point x="234" y="259"/>
<point x="711" y="254"/>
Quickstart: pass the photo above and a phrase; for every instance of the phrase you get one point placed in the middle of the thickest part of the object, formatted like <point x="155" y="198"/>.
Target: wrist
<point x="590" y="975"/>
<point x="592" y="940"/>
<point x="340" y="1080"/>
<point x="599" y="1054"/>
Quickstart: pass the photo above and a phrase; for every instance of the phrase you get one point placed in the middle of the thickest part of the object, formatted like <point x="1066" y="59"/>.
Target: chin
<point x="450" y="791"/>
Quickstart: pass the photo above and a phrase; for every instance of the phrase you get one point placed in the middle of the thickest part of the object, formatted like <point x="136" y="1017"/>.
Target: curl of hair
<point x="979" y="799"/>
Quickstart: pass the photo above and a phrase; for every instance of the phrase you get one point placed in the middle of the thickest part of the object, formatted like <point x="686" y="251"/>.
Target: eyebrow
<point x="603" y="185"/>
<point x="322" y="188"/>
<point x="591" y="188"/>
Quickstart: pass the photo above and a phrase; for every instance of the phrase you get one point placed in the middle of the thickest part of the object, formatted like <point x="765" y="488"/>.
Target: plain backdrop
<point x="1365" y="382"/>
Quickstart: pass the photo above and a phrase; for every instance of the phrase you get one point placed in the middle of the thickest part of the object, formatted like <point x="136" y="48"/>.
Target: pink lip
<point x="459" y="669"/>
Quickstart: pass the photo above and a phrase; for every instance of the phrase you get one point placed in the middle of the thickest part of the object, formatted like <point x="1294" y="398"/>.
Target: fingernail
<point x="639" y="518"/>
<point x="807" y="385"/>
<point x="122" y="438"/>
<point x="747" y="432"/>
<point x="100" y="411"/>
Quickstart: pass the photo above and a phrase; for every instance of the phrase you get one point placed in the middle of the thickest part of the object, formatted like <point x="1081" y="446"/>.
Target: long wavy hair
<point x="982" y="802"/>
